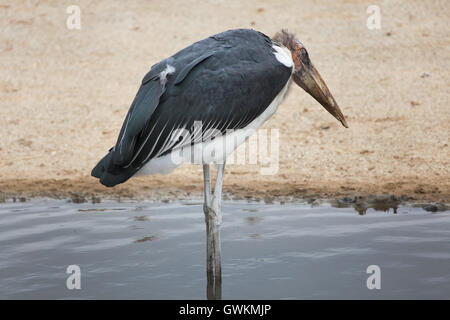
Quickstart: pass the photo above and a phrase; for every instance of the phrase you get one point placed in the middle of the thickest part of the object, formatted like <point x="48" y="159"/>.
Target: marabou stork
<point x="209" y="98"/>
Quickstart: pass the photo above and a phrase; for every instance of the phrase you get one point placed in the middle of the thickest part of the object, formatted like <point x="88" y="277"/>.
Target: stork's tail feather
<point x="110" y="174"/>
<point x="99" y="169"/>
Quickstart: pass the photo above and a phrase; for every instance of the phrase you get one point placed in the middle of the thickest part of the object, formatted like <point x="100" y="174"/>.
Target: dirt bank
<point x="64" y="94"/>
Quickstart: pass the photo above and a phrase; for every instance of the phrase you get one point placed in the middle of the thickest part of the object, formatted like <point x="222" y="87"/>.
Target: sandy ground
<point x="64" y="94"/>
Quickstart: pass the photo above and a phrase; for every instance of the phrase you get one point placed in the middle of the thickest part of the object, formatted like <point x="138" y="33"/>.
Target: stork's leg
<point x="213" y="219"/>
<point x="217" y="207"/>
<point x="209" y="234"/>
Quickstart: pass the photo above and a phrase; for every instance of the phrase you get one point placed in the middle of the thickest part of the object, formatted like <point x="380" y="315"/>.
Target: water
<point x="145" y="250"/>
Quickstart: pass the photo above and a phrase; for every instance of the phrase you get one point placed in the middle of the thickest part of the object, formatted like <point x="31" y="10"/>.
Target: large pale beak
<point x="310" y="80"/>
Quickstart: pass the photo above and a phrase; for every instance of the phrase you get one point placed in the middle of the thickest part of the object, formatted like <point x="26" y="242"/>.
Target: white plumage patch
<point x="163" y="75"/>
<point x="283" y="55"/>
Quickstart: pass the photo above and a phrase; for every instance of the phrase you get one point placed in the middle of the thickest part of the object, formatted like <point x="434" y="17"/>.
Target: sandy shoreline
<point x="64" y="94"/>
<point x="160" y="189"/>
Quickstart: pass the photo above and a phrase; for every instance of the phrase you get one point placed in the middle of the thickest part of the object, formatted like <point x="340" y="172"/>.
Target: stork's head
<point x="307" y="77"/>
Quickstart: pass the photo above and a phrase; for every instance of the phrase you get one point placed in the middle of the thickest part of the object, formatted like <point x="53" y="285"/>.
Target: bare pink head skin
<point x="307" y="77"/>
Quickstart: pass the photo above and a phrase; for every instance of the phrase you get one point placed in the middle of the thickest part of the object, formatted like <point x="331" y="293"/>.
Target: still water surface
<point x="147" y="250"/>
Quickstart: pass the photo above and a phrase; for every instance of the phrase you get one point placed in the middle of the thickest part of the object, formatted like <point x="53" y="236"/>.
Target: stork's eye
<point x="304" y="55"/>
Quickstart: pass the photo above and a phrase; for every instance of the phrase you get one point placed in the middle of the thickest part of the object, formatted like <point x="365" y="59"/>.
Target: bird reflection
<point x="213" y="285"/>
<point x="213" y="262"/>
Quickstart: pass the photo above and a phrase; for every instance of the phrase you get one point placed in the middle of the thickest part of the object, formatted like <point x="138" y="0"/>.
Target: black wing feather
<point x="140" y="112"/>
<point x="183" y="73"/>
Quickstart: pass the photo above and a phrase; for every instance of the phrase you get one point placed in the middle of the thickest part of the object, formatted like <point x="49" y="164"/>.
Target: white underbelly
<point x="214" y="151"/>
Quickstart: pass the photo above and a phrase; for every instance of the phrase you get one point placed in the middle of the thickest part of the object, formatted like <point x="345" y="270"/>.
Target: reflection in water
<point x="213" y="261"/>
<point x="253" y="219"/>
<point x="213" y="283"/>
<point x="144" y="239"/>
<point x="213" y="257"/>
<point x="295" y="250"/>
<point x="140" y="218"/>
<point x="362" y="204"/>
<point x="383" y="203"/>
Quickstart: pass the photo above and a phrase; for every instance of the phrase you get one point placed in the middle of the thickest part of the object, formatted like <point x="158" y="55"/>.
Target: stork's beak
<point x="310" y="80"/>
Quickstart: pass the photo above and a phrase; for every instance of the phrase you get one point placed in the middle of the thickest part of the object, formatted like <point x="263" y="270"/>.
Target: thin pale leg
<point x="217" y="205"/>
<point x="209" y="235"/>
<point x="213" y="219"/>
